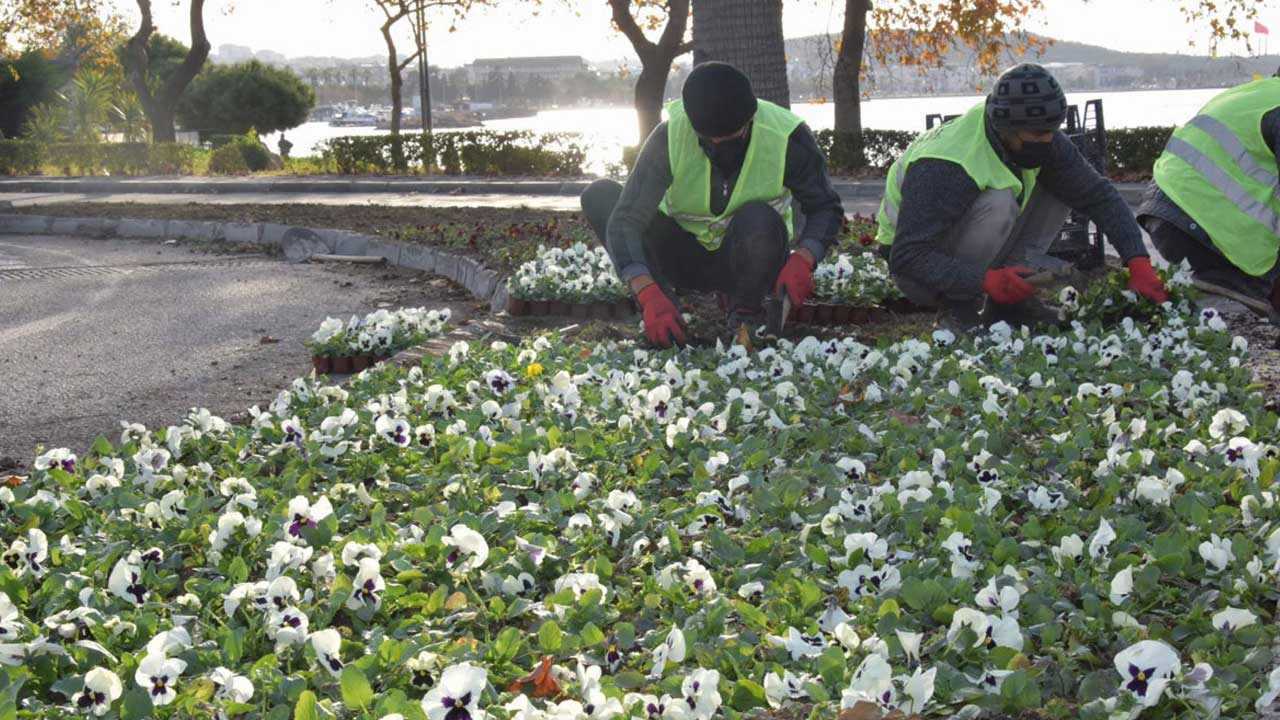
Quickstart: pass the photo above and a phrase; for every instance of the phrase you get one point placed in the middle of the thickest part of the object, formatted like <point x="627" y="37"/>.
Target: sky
<point x="350" y="28"/>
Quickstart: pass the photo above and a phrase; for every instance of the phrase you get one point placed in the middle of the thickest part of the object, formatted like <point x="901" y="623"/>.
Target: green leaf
<point x="102" y="446"/>
<point x="920" y="594"/>
<point x="238" y="571"/>
<point x="550" y="637"/>
<point x="1019" y="692"/>
<point x="355" y="688"/>
<point x="746" y="695"/>
<point x="832" y="666"/>
<point x="628" y="680"/>
<point x="136" y="704"/>
<point x="307" y="708"/>
<point x="233" y="645"/>
<point x="591" y="635"/>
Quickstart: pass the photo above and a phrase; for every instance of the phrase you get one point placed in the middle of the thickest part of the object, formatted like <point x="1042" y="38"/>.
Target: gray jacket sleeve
<point x="641" y="194"/>
<point x="806" y="177"/>
<point x="1070" y="178"/>
<point x="936" y="194"/>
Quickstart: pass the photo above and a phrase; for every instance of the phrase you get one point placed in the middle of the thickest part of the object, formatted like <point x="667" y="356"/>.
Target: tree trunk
<point x="393" y="66"/>
<point x="650" y="88"/>
<point x="846" y="80"/>
<point x="748" y="35"/>
<point x="160" y="107"/>
<point x="655" y="58"/>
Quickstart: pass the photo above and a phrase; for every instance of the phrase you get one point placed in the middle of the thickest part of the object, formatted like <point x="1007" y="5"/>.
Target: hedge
<point x="20" y="157"/>
<point x="876" y="151"/>
<point x="1131" y="152"/>
<point x="473" y="152"/>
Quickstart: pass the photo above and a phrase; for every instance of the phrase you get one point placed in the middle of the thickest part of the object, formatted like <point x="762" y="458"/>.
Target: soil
<point x="1264" y="351"/>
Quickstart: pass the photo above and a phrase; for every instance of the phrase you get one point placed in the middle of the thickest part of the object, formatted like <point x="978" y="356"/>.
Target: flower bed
<point x="1074" y="525"/>
<point x="359" y="343"/>
<point x="851" y="288"/>
<point x="578" y="281"/>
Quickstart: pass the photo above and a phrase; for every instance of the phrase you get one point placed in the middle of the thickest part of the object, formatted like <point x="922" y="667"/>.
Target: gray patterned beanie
<point x="1026" y="97"/>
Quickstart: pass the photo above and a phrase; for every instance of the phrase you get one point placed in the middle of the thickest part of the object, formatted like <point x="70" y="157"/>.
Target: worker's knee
<point x="600" y="197"/>
<point x="759" y="226"/>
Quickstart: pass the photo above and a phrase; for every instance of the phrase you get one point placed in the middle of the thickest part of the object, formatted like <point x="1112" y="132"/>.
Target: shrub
<point x="171" y="159"/>
<point x="481" y="152"/>
<point x="877" y="149"/>
<point x="228" y="160"/>
<point x="256" y="156"/>
<point x="18" y="157"/>
<point x="1132" y="152"/>
<point x="236" y="98"/>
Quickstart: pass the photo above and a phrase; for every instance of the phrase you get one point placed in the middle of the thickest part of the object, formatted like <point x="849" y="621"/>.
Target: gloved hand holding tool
<point x="1144" y="281"/>
<point x="662" y="322"/>
<point x="1008" y="285"/>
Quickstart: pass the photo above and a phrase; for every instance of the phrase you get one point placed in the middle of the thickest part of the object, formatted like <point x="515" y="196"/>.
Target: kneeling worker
<point x="708" y="205"/>
<point x="1215" y="199"/>
<point x="972" y="206"/>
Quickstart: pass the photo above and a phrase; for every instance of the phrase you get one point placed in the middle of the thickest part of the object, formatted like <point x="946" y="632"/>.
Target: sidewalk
<point x="855" y="192"/>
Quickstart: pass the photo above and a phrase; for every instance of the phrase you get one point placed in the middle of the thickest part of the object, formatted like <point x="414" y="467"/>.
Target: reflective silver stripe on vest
<point x="1226" y="184"/>
<point x="779" y="204"/>
<point x="891" y="208"/>
<point x="1235" y="147"/>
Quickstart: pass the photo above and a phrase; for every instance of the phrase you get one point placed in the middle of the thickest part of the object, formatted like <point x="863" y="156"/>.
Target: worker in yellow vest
<point x="708" y="206"/>
<point x="972" y="206"/>
<point x="1215" y="197"/>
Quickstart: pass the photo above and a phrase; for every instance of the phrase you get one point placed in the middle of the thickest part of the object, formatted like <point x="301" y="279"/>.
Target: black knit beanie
<point x="718" y="99"/>
<point x="1026" y="97"/>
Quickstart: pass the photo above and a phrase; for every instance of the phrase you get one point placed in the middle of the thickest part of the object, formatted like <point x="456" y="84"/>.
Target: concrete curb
<point x="340" y="185"/>
<point x="868" y="190"/>
<point x="482" y="282"/>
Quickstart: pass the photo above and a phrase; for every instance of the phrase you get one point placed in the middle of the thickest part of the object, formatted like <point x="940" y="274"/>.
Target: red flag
<point x="1260" y="29"/>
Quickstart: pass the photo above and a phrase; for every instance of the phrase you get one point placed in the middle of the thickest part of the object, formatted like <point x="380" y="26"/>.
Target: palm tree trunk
<point x="748" y="35"/>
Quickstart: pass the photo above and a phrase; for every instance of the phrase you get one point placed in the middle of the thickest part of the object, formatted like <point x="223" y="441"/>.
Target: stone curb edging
<point x="868" y="190"/>
<point x="114" y="186"/>
<point x="482" y="282"/>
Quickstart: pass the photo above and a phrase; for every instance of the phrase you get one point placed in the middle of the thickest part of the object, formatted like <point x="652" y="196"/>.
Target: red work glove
<point x="1006" y="286"/>
<point x="797" y="278"/>
<point x="662" y="323"/>
<point x="1143" y="280"/>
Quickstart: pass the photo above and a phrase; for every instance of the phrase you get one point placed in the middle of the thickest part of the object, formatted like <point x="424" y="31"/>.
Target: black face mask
<point x="1032" y="155"/>
<point x="729" y="155"/>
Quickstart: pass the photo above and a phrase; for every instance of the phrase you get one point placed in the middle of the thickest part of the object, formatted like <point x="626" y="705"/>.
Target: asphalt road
<point x="93" y="332"/>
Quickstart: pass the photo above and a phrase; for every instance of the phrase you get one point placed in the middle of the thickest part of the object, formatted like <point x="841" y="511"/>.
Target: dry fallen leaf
<point x="455" y="601"/>
<point x="543" y="680"/>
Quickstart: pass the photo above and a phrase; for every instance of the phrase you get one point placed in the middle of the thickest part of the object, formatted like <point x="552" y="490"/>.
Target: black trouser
<point x="744" y="267"/>
<point x="1176" y="246"/>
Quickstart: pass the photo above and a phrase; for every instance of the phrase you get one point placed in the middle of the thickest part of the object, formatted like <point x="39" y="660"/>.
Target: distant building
<point x="270" y="57"/>
<point x="228" y="53"/>
<point x="1075" y="74"/>
<point x="557" y="67"/>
